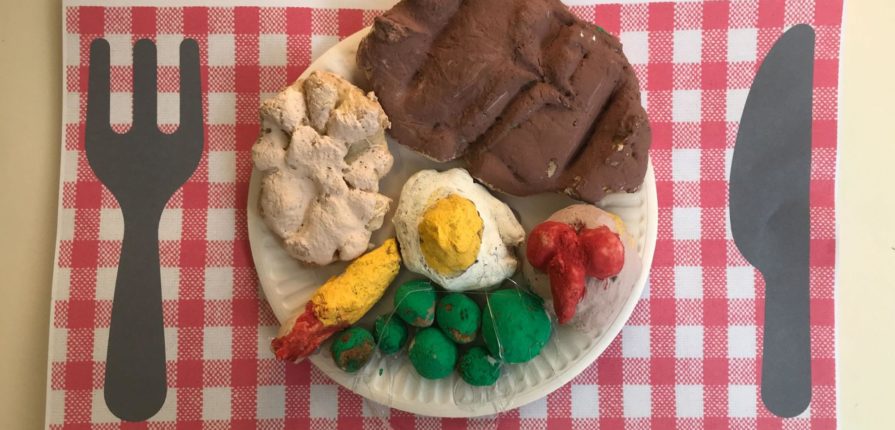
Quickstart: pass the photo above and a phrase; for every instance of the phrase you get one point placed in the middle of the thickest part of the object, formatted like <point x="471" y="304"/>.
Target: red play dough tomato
<point x="544" y="241"/>
<point x="567" y="277"/>
<point x="604" y="253"/>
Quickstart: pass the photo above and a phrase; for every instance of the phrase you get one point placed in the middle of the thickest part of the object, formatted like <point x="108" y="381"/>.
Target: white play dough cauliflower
<point x="322" y="150"/>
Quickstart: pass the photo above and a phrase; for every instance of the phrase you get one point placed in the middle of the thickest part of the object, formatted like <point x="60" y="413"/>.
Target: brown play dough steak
<point x="534" y="99"/>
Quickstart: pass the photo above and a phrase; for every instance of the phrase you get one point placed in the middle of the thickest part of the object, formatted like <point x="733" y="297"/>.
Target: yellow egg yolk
<point x="345" y="298"/>
<point x="450" y="235"/>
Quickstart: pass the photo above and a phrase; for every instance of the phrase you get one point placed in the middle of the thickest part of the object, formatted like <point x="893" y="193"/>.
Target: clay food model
<point x="390" y="333"/>
<point x="515" y="325"/>
<point x="432" y="354"/>
<point x="568" y="256"/>
<point x="322" y="151"/>
<point x="352" y="348"/>
<point x="478" y="368"/>
<point x="579" y="247"/>
<point x="415" y="303"/>
<point x="454" y="232"/>
<point x="339" y="302"/>
<point x="458" y="317"/>
<point x="533" y="98"/>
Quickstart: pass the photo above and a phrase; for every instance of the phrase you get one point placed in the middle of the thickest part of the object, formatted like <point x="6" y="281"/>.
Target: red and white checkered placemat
<point x="688" y="358"/>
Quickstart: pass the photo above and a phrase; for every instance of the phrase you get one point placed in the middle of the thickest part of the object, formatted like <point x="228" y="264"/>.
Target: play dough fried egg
<point x="454" y="232"/>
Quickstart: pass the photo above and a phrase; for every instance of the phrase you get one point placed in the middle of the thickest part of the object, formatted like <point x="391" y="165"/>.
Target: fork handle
<point x="786" y="359"/>
<point x="135" y="382"/>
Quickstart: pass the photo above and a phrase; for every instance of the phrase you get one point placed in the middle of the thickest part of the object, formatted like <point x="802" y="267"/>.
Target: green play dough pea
<point x="390" y="333"/>
<point x="352" y="348"/>
<point x="433" y="355"/>
<point x="521" y="325"/>
<point x="415" y="303"/>
<point x="479" y="368"/>
<point x="459" y="317"/>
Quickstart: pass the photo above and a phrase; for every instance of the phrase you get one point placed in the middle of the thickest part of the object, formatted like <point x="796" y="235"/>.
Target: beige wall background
<point x="29" y="161"/>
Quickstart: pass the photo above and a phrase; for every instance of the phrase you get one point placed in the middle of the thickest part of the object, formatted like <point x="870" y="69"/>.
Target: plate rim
<point x="549" y="385"/>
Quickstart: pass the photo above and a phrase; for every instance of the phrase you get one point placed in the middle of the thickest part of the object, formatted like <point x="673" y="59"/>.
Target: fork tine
<point x="145" y="86"/>
<point x="190" y="90"/>
<point x="98" y="91"/>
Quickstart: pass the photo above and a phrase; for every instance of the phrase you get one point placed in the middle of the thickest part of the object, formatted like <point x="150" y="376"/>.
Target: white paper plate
<point x="392" y="381"/>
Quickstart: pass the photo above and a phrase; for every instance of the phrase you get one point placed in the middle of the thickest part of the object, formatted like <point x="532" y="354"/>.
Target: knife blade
<point x="769" y="212"/>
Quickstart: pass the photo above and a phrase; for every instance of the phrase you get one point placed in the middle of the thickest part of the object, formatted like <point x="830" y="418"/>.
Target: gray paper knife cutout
<point x="142" y="169"/>
<point x="769" y="213"/>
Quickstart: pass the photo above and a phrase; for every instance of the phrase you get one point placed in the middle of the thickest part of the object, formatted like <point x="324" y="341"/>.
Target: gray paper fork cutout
<point x="142" y="169"/>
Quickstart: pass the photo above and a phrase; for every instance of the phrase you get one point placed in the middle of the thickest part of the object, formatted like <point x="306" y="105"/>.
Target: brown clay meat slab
<point x="534" y="99"/>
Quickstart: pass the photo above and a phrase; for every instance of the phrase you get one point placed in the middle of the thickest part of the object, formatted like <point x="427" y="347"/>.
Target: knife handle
<point x="786" y="360"/>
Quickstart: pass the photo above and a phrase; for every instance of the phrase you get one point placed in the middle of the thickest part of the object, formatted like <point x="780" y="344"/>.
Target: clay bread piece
<point x="322" y="151"/>
<point x="534" y="99"/>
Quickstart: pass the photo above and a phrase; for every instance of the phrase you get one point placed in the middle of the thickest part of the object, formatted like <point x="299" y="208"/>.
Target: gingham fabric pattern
<point x="688" y="358"/>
